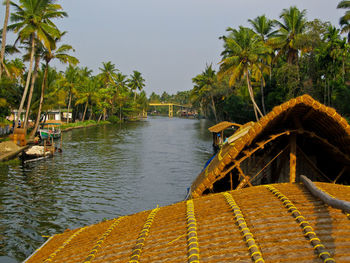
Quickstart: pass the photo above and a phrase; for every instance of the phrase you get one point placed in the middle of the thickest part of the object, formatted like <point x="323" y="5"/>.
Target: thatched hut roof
<point x="325" y="132"/>
<point x="222" y="126"/>
<point x="252" y="224"/>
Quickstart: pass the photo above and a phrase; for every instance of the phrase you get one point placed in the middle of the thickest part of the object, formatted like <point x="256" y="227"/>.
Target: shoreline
<point x="13" y="154"/>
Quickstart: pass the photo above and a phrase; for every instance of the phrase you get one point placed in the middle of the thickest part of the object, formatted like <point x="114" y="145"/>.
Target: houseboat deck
<point x="268" y="223"/>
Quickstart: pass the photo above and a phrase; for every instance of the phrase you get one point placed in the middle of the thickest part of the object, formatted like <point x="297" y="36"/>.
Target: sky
<point x="168" y="41"/>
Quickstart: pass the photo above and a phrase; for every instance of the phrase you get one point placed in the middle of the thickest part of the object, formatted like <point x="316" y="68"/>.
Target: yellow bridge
<point x="171" y="107"/>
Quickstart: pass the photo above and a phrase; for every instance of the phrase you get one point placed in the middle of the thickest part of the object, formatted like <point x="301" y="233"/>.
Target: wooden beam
<point x="267" y="165"/>
<point x="297" y="122"/>
<point x="336" y="203"/>
<point x="292" y="158"/>
<point x="312" y="165"/>
<point x="245" y="178"/>
<point x="340" y="174"/>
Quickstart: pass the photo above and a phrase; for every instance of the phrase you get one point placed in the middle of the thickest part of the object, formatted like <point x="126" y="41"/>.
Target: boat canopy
<point x="222" y="126"/>
<point x="52" y="123"/>
<point x="301" y="136"/>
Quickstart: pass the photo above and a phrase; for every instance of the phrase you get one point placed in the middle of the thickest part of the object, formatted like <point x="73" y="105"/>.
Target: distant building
<point x="57" y="115"/>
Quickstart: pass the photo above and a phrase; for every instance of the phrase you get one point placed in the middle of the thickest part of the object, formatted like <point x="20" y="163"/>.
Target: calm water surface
<point x="104" y="172"/>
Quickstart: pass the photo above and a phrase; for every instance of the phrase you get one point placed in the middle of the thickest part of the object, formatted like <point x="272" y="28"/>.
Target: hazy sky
<point x="168" y="41"/>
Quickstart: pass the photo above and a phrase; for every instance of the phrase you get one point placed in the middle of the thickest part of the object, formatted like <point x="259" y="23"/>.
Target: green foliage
<point x="276" y="61"/>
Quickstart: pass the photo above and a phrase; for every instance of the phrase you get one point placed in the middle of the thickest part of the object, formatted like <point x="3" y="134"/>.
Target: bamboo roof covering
<point x="222" y="126"/>
<point x="302" y="116"/>
<point x="267" y="223"/>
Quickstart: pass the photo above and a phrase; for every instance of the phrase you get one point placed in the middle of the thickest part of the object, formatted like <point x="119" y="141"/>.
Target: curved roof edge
<point x="207" y="178"/>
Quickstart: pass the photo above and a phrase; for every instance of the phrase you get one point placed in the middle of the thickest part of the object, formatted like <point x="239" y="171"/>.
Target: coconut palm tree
<point x="241" y="59"/>
<point x="136" y="82"/>
<point x="344" y="21"/>
<point x="107" y="76"/>
<point x="61" y="54"/>
<point x="263" y="27"/>
<point x="69" y="83"/>
<point x="286" y="40"/>
<point x="87" y="92"/>
<point x="207" y="84"/>
<point x="4" y="31"/>
<point x="32" y="20"/>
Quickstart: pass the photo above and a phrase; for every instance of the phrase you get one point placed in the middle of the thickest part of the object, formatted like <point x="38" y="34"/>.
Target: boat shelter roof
<point x="302" y="115"/>
<point x="259" y="223"/>
<point x="222" y="126"/>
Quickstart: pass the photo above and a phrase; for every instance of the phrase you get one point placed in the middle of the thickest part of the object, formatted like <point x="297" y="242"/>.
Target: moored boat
<point x="51" y="129"/>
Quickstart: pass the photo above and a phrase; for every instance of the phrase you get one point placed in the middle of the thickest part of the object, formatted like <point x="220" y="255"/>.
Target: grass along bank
<point x="81" y="124"/>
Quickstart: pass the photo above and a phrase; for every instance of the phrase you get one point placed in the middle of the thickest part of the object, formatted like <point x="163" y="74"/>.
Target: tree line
<point x="274" y="60"/>
<point x="40" y="87"/>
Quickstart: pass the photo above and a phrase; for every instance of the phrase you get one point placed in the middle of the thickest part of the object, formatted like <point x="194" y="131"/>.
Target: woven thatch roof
<point x="253" y="223"/>
<point x="222" y="126"/>
<point x="323" y="133"/>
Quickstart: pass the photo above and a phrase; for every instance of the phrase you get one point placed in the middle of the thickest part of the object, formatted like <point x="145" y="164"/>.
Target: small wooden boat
<point x="35" y="153"/>
<point x="51" y="129"/>
<point x="218" y="133"/>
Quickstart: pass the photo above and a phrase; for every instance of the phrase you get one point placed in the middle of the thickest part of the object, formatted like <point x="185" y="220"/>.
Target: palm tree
<point x="87" y="92"/>
<point x="241" y="59"/>
<point x="136" y="82"/>
<point x="207" y="84"/>
<point x="344" y="21"/>
<point x="107" y="76"/>
<point x="264" y="28"/>
<point x="4" y="31"/>
<point x="35" y="73"/>
<point x="122" y="83"/>
<point x="32" y="20"/>
<point x="62" y="55"/>
<point x="69" y="83"/>
<point x="290" y="29"/>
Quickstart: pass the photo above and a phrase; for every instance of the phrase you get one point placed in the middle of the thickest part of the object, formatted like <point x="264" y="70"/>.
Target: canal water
<point x="104" y="172"/>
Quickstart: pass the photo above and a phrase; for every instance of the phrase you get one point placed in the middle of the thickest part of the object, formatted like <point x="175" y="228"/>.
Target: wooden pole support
<point x="336" y="203"/>
<point x="292" y="158"/>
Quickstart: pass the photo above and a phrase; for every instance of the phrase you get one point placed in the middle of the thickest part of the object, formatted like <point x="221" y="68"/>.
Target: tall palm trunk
<point x="90" y="111"/>
<point x="251" y="94"/>
<point x="214" y="108"/>
<point x="120" y="112"/>
<point x="86" y="105"/>
<point x="4" y="32"/>
<point x="43" y="84"/>
<point x="262" y="92"/>
<point x="69" y="102"/>
<point x="35" y="74"/>
<point x="28" y="79"/>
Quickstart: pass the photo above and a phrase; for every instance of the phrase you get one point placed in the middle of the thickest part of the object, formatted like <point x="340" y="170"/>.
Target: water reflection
<point x="104" y="172"/>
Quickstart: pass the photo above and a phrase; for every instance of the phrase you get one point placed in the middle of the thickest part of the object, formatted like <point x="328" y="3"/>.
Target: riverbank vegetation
<point x="273" y="60"/>
<point x="38" y="87"/>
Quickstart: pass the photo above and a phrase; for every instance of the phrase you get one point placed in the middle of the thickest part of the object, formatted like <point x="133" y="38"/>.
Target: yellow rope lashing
<point x="65" y="243"/>
<point x="100" y="241"/>
<point x="248" y="237"/>
<point x="136" y="252"/>
<point x="192" y="240"/>
<point x="308" y="231"/>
